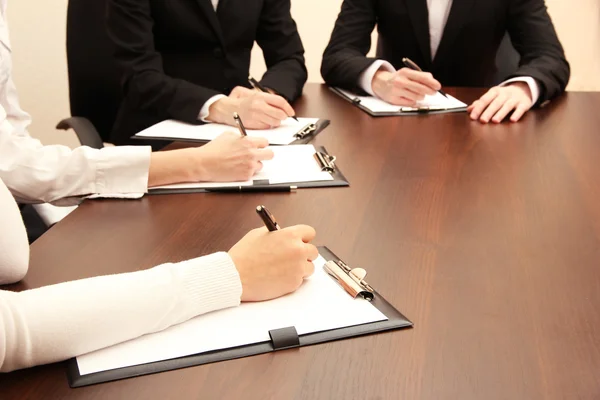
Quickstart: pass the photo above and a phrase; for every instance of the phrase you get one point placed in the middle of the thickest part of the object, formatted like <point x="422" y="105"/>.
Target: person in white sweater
<point x="55" y="323"/>
<point x="58" y="322"/>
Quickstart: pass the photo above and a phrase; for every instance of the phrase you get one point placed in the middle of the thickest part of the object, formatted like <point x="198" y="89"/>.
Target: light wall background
<point x="38" y="40"/>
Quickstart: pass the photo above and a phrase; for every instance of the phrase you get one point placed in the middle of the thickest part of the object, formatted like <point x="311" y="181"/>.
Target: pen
<point x="252" y="189"/>
<point x="267" y="218"/>
<point x="240" y="124"/>
<point x="408" y="63"/>
<point x="256" y="85"/>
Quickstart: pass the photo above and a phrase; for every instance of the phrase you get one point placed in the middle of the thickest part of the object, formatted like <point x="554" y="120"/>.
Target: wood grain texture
<point x="486" y="236"/>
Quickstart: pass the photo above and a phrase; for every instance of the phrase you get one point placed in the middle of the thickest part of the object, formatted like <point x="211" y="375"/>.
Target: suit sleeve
<point x="130" y="24"/>
<point x="345" y="58"/>
<point x="542" y="56"/>
<point x="280" y="42"/>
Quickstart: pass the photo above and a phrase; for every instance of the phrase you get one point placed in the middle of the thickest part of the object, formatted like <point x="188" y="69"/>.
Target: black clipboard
<point x="280" y="339"/>
<point x="339" y="180"/>
<point x="304" y="136"/>
<point x="423" y="111"/>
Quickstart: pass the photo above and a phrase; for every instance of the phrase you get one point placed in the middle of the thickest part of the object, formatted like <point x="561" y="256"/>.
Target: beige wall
<point x="37" y="31"/>
<point x="38" y="37"/>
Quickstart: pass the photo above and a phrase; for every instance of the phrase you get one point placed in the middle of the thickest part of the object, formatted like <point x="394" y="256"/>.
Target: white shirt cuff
<point x="206" y="107"/>
<point x="533" y="86"/>
<point x="122" y="171"/>
<point x="365" y="80"/>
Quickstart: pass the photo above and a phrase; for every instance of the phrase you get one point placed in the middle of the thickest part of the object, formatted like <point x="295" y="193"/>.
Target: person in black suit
<point x="189" y="59"/>
<point x="456" y="41"/>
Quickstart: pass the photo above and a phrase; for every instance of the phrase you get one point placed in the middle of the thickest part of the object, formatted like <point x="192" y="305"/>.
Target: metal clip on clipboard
<point x="307" y="130"/>
<point x="326" y="162"/>
<point x="351" y="279"/>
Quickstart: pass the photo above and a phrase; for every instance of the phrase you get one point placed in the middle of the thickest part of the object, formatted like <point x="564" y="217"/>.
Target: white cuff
<point x="206" y="107"/>
<point x="123" y="170"/>
<point x="533" y="86"/>
<point x="365" y="80"/>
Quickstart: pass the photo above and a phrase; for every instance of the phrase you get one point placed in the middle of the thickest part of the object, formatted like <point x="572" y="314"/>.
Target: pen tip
<point x="259" y="208"/>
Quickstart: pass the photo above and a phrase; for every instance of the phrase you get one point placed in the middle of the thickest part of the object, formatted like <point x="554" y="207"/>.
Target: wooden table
<point x="486" y="236"/>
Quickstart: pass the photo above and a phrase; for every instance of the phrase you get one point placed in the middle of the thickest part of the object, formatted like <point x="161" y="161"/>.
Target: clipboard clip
<point x="307" y="130"/>
<point x="351" y="279"/>
<point x="326" y="162"/>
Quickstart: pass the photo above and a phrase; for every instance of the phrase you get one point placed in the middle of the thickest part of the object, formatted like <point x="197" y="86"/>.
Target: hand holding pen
<point x="229" y="157"/>
<point x="259" y="110"/>
<point x="404" y="87"/>
<point x="258" y="86"/>
<point x="408" y="63"/>
<point x="276" y="262"/>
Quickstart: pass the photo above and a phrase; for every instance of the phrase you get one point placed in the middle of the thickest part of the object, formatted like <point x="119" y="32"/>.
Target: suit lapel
<point x="459" y="13"/>
<point x="417" y="10"/>
<point x="211" y="16"/>
<point x="221" y="4"/>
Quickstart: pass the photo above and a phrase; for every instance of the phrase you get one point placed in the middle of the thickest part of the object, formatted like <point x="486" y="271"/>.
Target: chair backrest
<point x="507" y="60"/>
<point x="94" y="80"/>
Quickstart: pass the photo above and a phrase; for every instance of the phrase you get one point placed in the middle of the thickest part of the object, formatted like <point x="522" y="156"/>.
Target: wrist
<point x="522" y="86"/>
<point x="176" y="166"/>
<point x="196" y="166"/>
<point x="380" y="79"/>
<point x="221" y="111"/>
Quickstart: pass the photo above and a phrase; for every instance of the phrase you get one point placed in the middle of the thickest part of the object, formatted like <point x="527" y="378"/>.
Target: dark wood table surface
<point x="486" y="236"/>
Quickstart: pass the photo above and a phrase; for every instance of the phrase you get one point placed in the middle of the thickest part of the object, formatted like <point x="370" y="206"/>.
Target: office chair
<point x="94" y="95"/>
<point x="94" y="81"/>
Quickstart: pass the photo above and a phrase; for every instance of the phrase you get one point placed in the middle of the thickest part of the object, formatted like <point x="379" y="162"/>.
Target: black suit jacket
<point x="176" y="54"/>
<point x="467" y="51"/>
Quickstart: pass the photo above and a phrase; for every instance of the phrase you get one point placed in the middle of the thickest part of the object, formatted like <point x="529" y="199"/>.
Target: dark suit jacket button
<point x="218" y="52"/>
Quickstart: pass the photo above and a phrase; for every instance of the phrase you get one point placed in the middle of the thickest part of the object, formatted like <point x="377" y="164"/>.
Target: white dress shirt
<point x="58" y="322"/>
<point x="438" y="10"/>
<point x="37" y="173"/>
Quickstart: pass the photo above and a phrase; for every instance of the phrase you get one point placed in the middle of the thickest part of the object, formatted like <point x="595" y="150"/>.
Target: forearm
<point x="282" y="47"/>
<point x="36" y="173"/>
<point x="58" y="322"/>
<point x="167" y="167"/>
<point x="167" y="97"/>
<point x="287" y="78"/>
<point x="345" y="57"/>
<point x="542" y="55"/>
<point x="552" y="74"/>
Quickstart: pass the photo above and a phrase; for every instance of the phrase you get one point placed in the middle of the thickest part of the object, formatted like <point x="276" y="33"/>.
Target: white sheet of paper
<point x="377" y="105"/>
<point x="291" y="164"/>
<point x="172" y="129"/>
<point x="320" y="304"/>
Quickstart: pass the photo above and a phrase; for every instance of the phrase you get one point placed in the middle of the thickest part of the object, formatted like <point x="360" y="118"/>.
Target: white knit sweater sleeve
<point x="58" y="322"/>
<point x="54" y="323"/>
